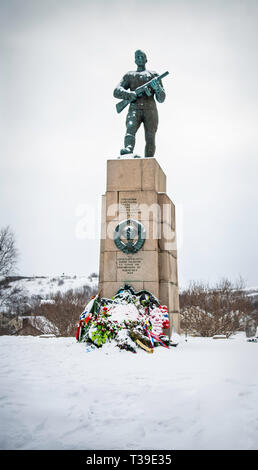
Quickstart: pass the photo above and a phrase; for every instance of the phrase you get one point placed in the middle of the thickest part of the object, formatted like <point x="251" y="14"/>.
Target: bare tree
<point x="207" y="311"/>
<point x="8" y="251"/>
<point x="64" y="311"/>
<point x="12" y="299"/>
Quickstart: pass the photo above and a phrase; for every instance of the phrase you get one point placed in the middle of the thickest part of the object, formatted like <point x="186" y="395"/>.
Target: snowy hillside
<point x="56" y="395"/>
<point x="46" y="285"/>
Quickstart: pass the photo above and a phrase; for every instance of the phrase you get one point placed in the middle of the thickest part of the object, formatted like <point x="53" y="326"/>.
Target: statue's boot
<point x="126" y="150"/>
<point x="129" y="144"/>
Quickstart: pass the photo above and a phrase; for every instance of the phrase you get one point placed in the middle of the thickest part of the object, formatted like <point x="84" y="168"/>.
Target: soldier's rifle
<point x="146" y="88"/>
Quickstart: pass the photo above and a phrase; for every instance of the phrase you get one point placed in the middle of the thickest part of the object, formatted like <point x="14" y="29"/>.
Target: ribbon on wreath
<point x="153" y="337"/>
<point x="80" y="325"/>
<point x="78" y="331"/>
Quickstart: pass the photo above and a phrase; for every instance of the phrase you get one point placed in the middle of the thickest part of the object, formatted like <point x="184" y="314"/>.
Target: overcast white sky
<point x="60" y="61"/>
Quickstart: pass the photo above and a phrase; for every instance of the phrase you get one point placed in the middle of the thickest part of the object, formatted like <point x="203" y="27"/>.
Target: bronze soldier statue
<point x="143" y="85"/>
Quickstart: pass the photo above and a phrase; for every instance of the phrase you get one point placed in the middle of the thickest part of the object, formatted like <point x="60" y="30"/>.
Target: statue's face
<point x="140" y="58"/>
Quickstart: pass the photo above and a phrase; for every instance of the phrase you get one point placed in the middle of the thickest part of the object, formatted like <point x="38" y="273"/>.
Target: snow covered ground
<point x="55" y="395"/>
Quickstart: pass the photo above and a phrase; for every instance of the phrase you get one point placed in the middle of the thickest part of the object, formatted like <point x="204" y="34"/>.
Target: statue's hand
<point x="132" y="96"/>
<point x="155" y="84"/>
<point x="158" y="90"/>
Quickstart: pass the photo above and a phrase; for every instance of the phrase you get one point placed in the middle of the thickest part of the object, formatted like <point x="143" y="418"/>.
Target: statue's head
<point x="140" y="57"/>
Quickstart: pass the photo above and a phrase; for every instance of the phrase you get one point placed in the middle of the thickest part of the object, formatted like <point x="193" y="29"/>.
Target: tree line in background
<point x="64" y="313"/>
<point x="205" y="310"/>
<point x="215" y="310"/>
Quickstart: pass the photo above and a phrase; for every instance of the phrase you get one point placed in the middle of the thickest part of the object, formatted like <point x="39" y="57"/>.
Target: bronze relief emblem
<point x="129" y="236"/>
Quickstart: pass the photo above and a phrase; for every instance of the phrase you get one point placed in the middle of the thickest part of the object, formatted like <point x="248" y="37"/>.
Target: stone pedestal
<point x="136" y="190"/>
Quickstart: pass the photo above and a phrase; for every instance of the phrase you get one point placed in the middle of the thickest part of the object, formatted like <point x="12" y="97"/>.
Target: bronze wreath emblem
<point x="129" y="236"/>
